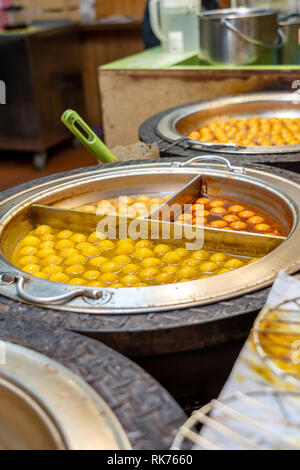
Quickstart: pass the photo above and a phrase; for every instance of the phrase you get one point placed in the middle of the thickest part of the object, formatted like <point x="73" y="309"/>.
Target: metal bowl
<point x="44" y="405"/>
<point x="280" y="197"/>
<point x="177" y="124"/>
<point x="24" y="424"/>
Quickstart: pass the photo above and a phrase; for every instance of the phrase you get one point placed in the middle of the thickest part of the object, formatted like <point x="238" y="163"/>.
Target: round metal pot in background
<point x="171" y="127"/>
<point x="289" y="54"/>
<point x="240" y="36"/>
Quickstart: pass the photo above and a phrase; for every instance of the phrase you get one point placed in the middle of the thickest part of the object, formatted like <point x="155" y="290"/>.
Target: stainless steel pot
<point x="289" y="54"/>
<point x="179" y="122"/>
<point x="239" y="36"/>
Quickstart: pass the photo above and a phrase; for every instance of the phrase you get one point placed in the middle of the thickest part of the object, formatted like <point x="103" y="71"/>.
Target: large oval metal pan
<point x="181" y="121"/>
<point x="166" y="175"/>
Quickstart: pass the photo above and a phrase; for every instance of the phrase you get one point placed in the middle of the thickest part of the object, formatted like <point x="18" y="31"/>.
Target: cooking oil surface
<point x="86" y="260"/>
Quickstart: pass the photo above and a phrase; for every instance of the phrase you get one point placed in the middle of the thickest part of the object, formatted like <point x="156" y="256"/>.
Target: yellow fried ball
<point x="149" y="274"/>
<point x="90" y="251"/>
<point x="209" y="267"/>
<point x="64" y="243"/>
<point x="186" y="273"/>
<point x="144" y="244"/>
<point x="47" y="237"/>
<point x="110" y="267"/>
<point x="218" y="258"/>
<point x="192" y="262"/>
<point x="169" y="269"/>
<point x="95" y="237"/>
<point x="125" y="249"/>
<point x="164" y="278"/>
<point x="91" y="275"/>
<point x="64" y="234"/>
<point x="181" y="252"/>
<point x="106" y="245"/>
<point x="30" y="240"/>
<point x="143" y="253"/>
<point x="121" y="259"/>
<point x="78" y="238"/>
<point x="233" y="263"/>
<point x="108" y="278"/>
<point x="28" y="260"/>
<point x="171" y="258"/>
<point x="31" y="268"/>
<point x="162" y="249"/>
<point x="98" y="261"/>
<point x="67" y="252"/>
<point x="201" y="255"/>
<point x="52" y="259"/>
<point x="47" y="244"/>
<point x="80" y="246"/>
<point x="131" y="269"/>
<point x="129" y="280"/>
<point x="151" y="263"/>
<point x="75" y="269"/>
<point x="59" y="277"/>
<point x="125" y="241"/>
<point x="75" y="259"/>
<point x="45" y="253"/>
<point x="43" y="229"/>
<point x="52" y="269"/>
<point x="28" y="251"/>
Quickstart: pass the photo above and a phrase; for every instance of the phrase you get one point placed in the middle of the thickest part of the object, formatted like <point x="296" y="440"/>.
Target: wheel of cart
<point x="39" y="161"/>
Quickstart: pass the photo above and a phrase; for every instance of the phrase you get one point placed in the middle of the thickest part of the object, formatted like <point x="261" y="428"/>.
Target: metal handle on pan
<point x="280" y="40"/>
<point x="209" y="146"/>
<point x="213" y="158"/>
<point x="90" y="296"/>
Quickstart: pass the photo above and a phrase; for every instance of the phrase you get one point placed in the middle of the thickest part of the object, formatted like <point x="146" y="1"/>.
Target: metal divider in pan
<point x="238" y="243"/>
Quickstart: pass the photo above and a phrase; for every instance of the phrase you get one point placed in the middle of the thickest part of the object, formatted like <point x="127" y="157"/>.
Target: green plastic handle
<point x="87" y="137"/>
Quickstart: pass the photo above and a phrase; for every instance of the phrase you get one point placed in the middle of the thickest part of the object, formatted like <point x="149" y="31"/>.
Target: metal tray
<point x="176" y="125"/>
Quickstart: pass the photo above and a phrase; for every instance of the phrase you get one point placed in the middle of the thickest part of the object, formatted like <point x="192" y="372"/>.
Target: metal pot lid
<point x="262" y="104"/>
<point x="75" y="415"/>
<point x="154" y="298"/>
